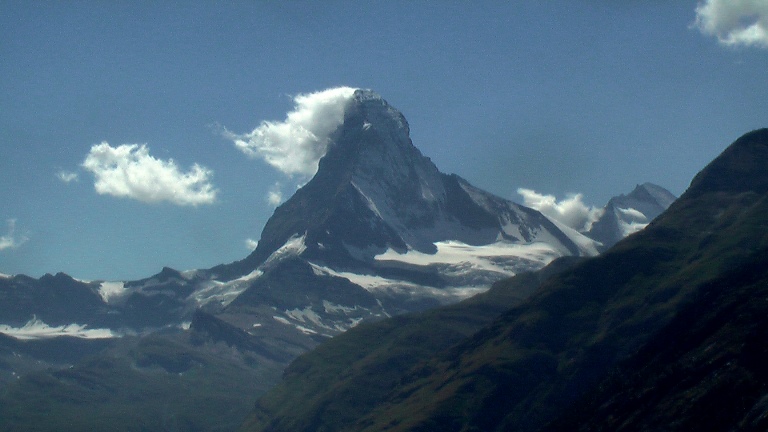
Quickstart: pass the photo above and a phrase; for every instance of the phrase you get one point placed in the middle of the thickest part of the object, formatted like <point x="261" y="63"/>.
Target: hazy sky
<point x="119" y="122"/>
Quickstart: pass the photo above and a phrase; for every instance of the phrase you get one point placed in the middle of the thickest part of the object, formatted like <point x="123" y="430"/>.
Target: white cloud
<point x="734" y="22"/>
<point x="129" y="171"/>
<point x="112" y="290"/>
<point x="67" y="176"/>
<point x="251" y="244"/>
<point x="570" y="211"/>
<point x="10" y="240"/>
<point x="36" y="329"/>
<point x="295" y="145"/>
<point x="275" y="195"/>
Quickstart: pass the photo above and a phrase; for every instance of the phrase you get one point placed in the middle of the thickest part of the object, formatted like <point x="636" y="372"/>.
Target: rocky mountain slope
<point x="692" y="278"/>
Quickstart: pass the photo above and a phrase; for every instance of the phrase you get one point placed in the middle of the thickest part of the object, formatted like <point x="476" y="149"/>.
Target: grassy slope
<point x="706" y="370"/>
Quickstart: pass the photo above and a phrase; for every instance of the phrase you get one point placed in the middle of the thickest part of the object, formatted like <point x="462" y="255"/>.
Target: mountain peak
<point x="627" y="214"/>
<point x="368" y="114"/>
<point x="653" y="192"/>
<point x="376" y="111"/>
<point x="374" y="191"/>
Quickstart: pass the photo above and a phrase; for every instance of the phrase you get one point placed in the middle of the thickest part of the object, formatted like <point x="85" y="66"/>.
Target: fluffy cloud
<point x="570" y="211"/>
<point x="67" y="176"/>
<point x="10" y="240"/>
<point x="130" y="171"/>
<point x="295" y="145"/>
<point x="734" y="22"/>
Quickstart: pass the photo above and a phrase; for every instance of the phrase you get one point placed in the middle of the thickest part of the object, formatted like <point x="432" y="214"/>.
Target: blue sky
<point x="560" y="97"/>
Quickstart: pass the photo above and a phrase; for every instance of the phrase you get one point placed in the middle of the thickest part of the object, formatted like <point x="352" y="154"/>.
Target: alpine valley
<point x="381" y="242"/>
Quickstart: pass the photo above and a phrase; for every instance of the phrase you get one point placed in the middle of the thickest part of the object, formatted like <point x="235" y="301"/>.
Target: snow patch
<point x="5" y="276"/>
<point x="281" y="320"/>
<point x="477" y="282"/>
<point x="293" y="247"/>
<point x="369" y="282"/>
<point x="496" y="257"/>
<point x="334" y="308"/>
<point x="223" y="292"/>
<point x="370" y="203"/>
<point x="586" y="245"/>
<point x="305" y="330"/>
<point x="306" y="315"/>
<point x="36" y="329"/>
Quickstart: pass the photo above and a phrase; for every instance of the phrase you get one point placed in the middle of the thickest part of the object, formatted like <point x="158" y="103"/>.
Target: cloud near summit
<point x="571" y="211"/>
<point x="295" y="145"/>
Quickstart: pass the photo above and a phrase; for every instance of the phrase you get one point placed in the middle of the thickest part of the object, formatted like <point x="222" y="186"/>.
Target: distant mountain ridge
<point x="627" y="214"/>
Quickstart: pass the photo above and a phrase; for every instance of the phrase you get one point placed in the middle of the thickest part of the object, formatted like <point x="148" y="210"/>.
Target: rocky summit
<point x="385" y="232"/>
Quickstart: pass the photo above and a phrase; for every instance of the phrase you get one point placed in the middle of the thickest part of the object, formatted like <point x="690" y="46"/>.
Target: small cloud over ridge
<point x="734" y="22"/>
<point x="571" y="211"/>
<point x="296" y="145"/>
<point x="129" y="171"/>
